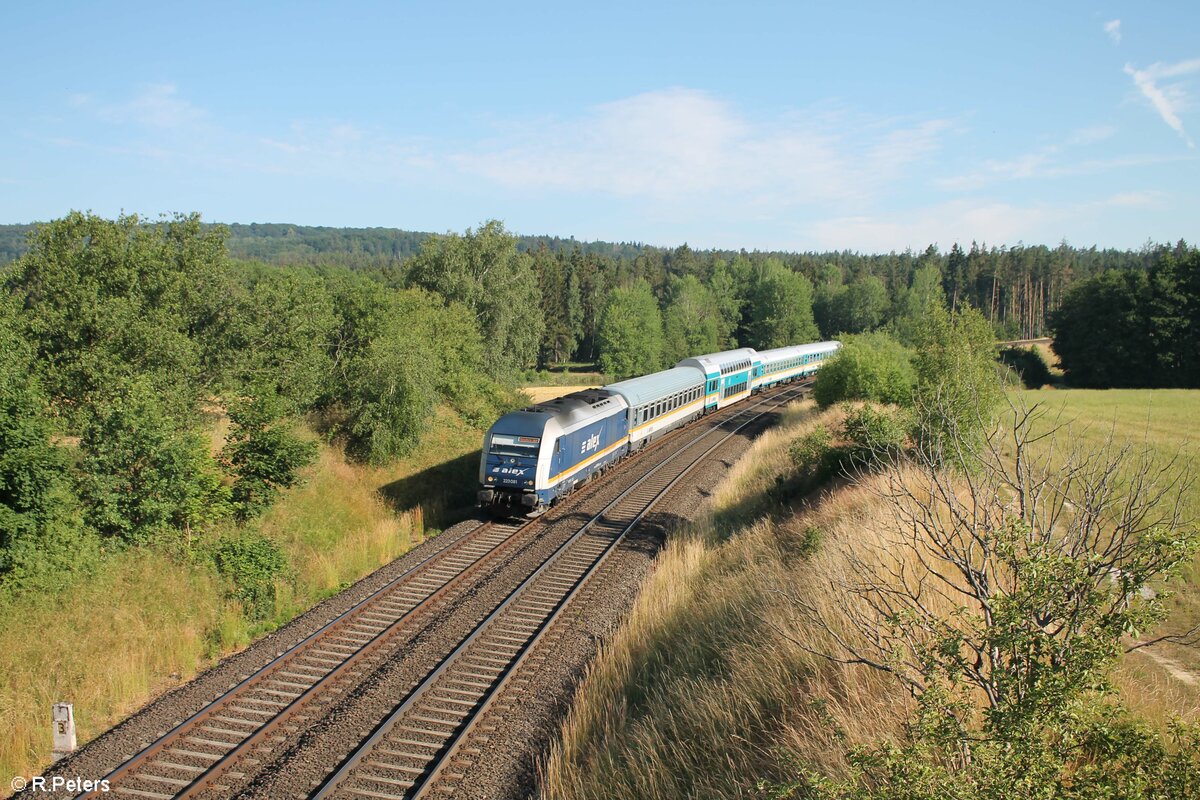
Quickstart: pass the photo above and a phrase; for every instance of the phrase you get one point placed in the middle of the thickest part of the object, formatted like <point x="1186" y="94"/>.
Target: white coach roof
<point x="647" y="389"/>
<point x="713" y="362"/>
<point x="794" y="350"/>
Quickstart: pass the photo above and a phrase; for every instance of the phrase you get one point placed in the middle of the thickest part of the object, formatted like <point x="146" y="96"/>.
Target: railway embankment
<point x="719" y="683"/>
<point x="148" y="620"/>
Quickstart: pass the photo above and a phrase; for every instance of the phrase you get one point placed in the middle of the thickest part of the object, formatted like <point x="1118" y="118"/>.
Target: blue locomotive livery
<point x="534" y="457"/>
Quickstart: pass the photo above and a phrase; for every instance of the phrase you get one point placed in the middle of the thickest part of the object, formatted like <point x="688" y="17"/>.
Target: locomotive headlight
<point x="529" y="483"/>
<point x="490" y="479"/>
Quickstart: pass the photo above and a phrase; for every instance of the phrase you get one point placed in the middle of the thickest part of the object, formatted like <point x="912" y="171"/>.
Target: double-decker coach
<point x="788" y="363"/>
<point x="727" y="375"/>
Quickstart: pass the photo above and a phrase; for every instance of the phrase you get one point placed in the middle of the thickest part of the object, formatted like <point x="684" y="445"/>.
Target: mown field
<point x="1165" y="680"/>
<point x="706" y="689"/>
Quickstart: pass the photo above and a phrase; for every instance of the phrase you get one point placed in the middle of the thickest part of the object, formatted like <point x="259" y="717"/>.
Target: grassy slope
<point x="171" y="617"/>
<point x="704" y="689"/>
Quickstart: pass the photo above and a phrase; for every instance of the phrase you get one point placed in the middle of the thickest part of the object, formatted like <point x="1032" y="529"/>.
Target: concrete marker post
<point x="64" y="731"/>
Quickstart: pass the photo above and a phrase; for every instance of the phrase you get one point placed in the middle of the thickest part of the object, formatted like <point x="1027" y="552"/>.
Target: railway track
<point x="230" y="737"/>
<point x="421" y="749"/>
<point x="243" y="723"/>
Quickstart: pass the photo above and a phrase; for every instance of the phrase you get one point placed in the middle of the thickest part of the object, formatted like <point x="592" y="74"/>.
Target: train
<point x="534" y="457"/>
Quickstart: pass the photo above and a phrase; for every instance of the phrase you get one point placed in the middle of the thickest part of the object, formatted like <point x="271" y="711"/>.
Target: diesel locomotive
<point x="534" y="457"/>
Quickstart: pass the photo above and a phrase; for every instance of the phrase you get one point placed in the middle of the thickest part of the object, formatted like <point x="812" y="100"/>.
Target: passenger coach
<point x="784" y="364"/>
<point x="660" y="402"/>
<point x="727" y="375"/>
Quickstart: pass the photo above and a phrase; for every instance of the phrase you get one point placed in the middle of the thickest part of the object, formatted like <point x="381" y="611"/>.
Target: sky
<point x="799" y="126"/>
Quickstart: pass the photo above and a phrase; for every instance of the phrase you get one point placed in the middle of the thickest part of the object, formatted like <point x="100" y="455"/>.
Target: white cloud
<point x="1092" y="134"/>
<point x="968" y="220"/>
<point x="157" y="105"/>
<point x="1051" y="161"/>
<point x="1135" y="199"/>
<point x="1113" y="29"/>
<point x="943" y="224"/>
<point x="1168" y="99"/>
<point x="342" y="150"/>
<point x="681" y="144"/>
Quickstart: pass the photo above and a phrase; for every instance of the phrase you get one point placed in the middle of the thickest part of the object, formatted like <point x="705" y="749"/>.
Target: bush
<point x="1029" y="364"/>
<point x="141" y="475"/>
<point x="810" y="449"/>
<point x="958" y="383"/>
<point x="41" y="535"/>
<point x="875" y="435"/>
<point x="263" y="454"/>
<point x="872" y="366"/>
<point x="815" y="459"/>
<point x="252" y="563"/>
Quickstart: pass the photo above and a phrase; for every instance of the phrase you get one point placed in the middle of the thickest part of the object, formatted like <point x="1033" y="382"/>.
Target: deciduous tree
<point x="482" y="270"/>
<point x="631" y="334"/>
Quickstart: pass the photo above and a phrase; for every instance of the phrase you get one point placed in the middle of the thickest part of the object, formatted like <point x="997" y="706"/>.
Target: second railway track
<point x="228" y="740"/>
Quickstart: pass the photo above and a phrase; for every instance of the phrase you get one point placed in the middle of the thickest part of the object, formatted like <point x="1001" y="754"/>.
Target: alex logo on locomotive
<point x="510" y="470"/>
<point x="590" y="443"/>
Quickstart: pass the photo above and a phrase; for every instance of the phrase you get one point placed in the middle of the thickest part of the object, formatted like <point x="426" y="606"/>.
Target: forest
<point x="1016" y="287"/>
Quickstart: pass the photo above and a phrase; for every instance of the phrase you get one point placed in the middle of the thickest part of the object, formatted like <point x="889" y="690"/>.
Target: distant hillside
<point x="281" y="243"/>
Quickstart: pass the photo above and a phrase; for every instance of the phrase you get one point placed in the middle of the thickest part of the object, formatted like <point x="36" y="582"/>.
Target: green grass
<point x="142" y="624"/>
<point x="1163" y="420"/>
<point x="348" y="519"/>
<point x="568" y="374"/>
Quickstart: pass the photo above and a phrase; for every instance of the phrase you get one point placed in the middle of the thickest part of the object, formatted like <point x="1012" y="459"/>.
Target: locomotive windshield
<point x="526" y="446"/>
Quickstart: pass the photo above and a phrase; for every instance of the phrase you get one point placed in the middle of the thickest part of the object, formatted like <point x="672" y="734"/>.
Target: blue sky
<point x="800" y="126"/>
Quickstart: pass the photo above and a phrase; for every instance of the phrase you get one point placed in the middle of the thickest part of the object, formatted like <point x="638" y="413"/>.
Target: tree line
<point x="123" y="342"/>
<point x="1017" y="288"/>
<point x="1133" y="328"/>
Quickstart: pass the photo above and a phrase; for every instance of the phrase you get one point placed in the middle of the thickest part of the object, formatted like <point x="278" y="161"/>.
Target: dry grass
<point x="138" y="627"/>
<point x="336" y="527"/>
<point x="704" y="689"/>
